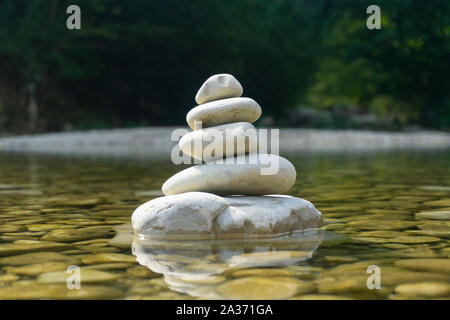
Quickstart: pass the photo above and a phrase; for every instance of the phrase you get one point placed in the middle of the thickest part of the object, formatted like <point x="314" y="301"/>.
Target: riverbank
<point x="155" y="141"/>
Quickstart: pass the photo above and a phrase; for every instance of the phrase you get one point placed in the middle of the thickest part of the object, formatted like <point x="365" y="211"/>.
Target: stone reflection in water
<point x="230" y="269"/>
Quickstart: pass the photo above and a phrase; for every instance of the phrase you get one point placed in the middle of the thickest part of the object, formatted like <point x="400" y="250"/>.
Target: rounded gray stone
<point x="205" y="215"/>
<point x="239" y="137"/>
<point x="219" y="86"/>
<point x="243" y="175"/>
<point x="224" y="111"/>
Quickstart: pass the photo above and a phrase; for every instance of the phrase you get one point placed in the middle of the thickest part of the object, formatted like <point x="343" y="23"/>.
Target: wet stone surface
<point x="385" y="210"/>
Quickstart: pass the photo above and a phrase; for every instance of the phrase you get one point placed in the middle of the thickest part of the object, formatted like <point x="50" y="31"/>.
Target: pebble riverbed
<point x="390" y="209"/>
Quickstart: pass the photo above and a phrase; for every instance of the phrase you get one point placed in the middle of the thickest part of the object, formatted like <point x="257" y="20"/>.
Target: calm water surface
<point x="387" y="210"/>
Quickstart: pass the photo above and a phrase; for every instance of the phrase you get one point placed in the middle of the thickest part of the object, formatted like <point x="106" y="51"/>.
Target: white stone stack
<point x="222" y="110"/>
<point x="194" y="207"/>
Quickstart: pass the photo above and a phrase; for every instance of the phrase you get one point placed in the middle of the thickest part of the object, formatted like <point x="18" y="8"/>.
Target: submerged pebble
<point x="381" y="224"/>
<point x="430" y="265"/>
<point x="438" y="203"/>
<point x="108" y="257"/>
<point x="5" y="278"/>
<point x="70" y="235"/>
<point x="36" y="269"/>
<point x="415" y="239"/>
<point x="435" y="215"/>
<point x="257" y="288"/>
<point x="86" y="275"/>
<point x="320" y="297"/>
<point x="269" y="258"/>
<point x="424" y="289"/>
<point x="109" y="266"/>
<point x="38" y="257"/>
<point x="43" y="291"/>
<point x="141" y="272"/>
<point x="32" y="246"/>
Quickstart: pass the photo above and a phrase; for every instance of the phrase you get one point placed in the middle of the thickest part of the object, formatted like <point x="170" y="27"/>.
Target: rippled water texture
<point x="389" y="210"/>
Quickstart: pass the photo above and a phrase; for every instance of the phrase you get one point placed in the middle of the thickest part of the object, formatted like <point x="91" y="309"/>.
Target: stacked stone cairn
<point x="229" y="194"/>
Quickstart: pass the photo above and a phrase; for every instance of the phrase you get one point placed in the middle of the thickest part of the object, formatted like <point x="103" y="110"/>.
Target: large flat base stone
<point x="201" y="215"/>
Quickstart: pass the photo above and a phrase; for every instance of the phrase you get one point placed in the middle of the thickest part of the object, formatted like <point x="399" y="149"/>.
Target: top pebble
<point x="219" y="86"/>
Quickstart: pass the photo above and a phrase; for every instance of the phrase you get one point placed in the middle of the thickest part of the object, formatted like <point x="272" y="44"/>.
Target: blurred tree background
<point x="140" y="63"/>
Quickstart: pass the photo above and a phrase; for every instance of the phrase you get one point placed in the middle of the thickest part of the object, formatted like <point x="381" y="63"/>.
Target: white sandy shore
<point x="155" y="141"/>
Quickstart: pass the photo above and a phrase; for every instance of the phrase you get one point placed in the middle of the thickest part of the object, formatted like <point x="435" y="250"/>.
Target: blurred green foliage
<point x="136" y="63"/>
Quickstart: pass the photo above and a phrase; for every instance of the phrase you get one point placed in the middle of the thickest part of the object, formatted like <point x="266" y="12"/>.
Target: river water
<point x="386" y="234"/>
